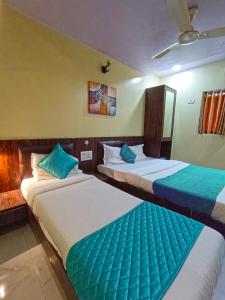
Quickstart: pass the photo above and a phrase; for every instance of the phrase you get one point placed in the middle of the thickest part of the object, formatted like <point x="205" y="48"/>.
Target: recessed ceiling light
<point x="176" y="68"/>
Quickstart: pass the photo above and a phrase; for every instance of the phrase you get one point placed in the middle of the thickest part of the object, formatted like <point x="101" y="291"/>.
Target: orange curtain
<point x="212" y="118"/>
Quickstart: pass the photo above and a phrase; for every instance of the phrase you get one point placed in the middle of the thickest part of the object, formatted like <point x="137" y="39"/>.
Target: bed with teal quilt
<point x="137" y="256"/>
<point x="116" y="246"/>
<point x="194" y="187"/>
<point x="199" y="189"/>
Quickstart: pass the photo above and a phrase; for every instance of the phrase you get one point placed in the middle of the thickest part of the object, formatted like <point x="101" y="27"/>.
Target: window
<point x="212" y="116"/>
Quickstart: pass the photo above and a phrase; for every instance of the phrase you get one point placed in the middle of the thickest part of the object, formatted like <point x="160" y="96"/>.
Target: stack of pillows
<point x="124" y="154"/>
<point x="57" y="164"/>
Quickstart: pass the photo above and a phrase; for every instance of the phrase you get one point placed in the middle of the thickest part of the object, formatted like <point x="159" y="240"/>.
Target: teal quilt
<point x="137" y="256"/>
<point x="194" y="187"/>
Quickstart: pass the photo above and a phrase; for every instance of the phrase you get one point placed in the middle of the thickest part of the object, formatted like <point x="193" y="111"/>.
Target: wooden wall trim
<point x="9" y="157"/>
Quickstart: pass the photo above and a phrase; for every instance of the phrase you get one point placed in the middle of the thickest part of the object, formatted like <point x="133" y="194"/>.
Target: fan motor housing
<point x="188" y="37"/>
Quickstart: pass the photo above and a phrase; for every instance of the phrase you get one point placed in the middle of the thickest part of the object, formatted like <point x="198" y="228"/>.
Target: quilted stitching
<point x="135" y="257"/>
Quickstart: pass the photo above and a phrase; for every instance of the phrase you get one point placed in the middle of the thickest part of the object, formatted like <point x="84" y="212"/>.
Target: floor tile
<point x="25" y="272"/>
<point x="12" y="244"/>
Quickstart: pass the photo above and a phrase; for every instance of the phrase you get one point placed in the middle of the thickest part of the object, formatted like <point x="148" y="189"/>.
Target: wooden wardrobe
<point x="160" y="104"/>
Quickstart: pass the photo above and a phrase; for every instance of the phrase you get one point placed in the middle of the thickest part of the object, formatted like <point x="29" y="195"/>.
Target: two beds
<point x="147" y="252"/>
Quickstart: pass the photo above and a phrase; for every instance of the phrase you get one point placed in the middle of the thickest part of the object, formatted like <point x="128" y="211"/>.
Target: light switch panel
<point x="86" y="155"/>
<point x="191" y="101"/>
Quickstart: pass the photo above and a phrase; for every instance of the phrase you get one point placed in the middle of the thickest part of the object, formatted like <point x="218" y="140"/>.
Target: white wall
<point x="207" y="150"/>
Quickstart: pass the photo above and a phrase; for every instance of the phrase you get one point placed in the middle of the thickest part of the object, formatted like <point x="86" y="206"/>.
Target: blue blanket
<point x="194" y="187"/>
<point x="137" y="256"/>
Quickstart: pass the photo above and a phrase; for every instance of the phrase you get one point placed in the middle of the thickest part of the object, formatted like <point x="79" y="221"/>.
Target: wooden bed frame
<point x="53" y="256"/>
<point x="147" y="196"/>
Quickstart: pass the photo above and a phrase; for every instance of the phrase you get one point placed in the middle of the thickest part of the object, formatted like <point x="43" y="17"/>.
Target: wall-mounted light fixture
<point x="176" y="68"/>
<point x="106" y="67"/>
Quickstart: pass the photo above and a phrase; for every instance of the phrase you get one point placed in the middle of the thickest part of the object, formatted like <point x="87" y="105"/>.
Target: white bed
<point x="144" y="172"/>
<point x="72" y="208"/>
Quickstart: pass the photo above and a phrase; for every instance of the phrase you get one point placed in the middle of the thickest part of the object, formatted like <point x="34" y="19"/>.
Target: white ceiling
<point x="131" y="31"/>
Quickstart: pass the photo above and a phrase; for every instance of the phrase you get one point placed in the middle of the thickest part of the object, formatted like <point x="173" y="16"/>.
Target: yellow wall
<point x="43" y="85"/>
<point x="208" y="150"/>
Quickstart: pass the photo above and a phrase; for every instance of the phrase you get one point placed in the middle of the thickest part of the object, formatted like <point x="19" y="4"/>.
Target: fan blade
<point x="179" y="11"/>
<point x="166" y="51"/>
<point x="213" y="33"/>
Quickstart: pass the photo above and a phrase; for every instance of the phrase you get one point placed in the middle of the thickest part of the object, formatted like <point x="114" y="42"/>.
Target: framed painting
<point x="101" y="99"/>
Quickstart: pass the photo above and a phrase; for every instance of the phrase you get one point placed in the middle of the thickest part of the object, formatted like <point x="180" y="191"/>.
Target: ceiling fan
<point x="183" y="17"/>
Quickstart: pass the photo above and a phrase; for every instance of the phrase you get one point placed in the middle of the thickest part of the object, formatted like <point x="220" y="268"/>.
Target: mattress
<point x="144" y="172"/>
<point x="73" y="208"/>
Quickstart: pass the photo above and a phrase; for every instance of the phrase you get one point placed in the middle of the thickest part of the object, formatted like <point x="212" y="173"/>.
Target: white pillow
<point x="112" y="155"/>
<point x="35" y="159"/>
<point x="40" y="174"/>
<point x="138" y="150"/>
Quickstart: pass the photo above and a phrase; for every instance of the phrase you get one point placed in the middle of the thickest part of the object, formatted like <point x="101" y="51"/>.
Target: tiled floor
<point x="16" y="242"/>
<point x="25" y="272"/>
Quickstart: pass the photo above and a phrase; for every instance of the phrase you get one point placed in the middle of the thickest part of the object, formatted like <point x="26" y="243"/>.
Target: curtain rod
<point x="215" y="91"/>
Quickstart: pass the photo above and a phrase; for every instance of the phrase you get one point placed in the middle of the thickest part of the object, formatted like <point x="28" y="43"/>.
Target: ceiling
<point x="131" y="31"/>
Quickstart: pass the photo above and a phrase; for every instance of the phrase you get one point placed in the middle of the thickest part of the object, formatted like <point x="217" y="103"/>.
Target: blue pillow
<point x="127" y="154"/>
<point x="58" y="162"/>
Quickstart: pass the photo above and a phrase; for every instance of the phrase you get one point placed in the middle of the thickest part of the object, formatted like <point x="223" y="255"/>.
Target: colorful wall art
<point x="101" y="99"/>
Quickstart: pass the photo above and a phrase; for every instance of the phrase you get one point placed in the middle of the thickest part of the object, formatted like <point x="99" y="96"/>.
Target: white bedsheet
<point x="71" y="209"/>
<point x="143" y="173"/>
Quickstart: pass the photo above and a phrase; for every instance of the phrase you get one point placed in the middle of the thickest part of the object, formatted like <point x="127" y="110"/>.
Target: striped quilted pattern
<point x="136" y="257"/>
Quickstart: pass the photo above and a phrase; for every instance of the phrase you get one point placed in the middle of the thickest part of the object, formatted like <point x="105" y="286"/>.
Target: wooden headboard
<point x="25" y="155"/>
<point x="15" y="155"/>
<point x="100" y="150"/>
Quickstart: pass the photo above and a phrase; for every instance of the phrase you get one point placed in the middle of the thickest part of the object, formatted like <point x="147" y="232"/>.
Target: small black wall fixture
<point x="106" y="68"/>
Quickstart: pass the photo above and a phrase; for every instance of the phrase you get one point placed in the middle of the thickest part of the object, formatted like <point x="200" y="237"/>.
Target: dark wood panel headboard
<point x="118" y="143"/>
<point x="14" y="155"/>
